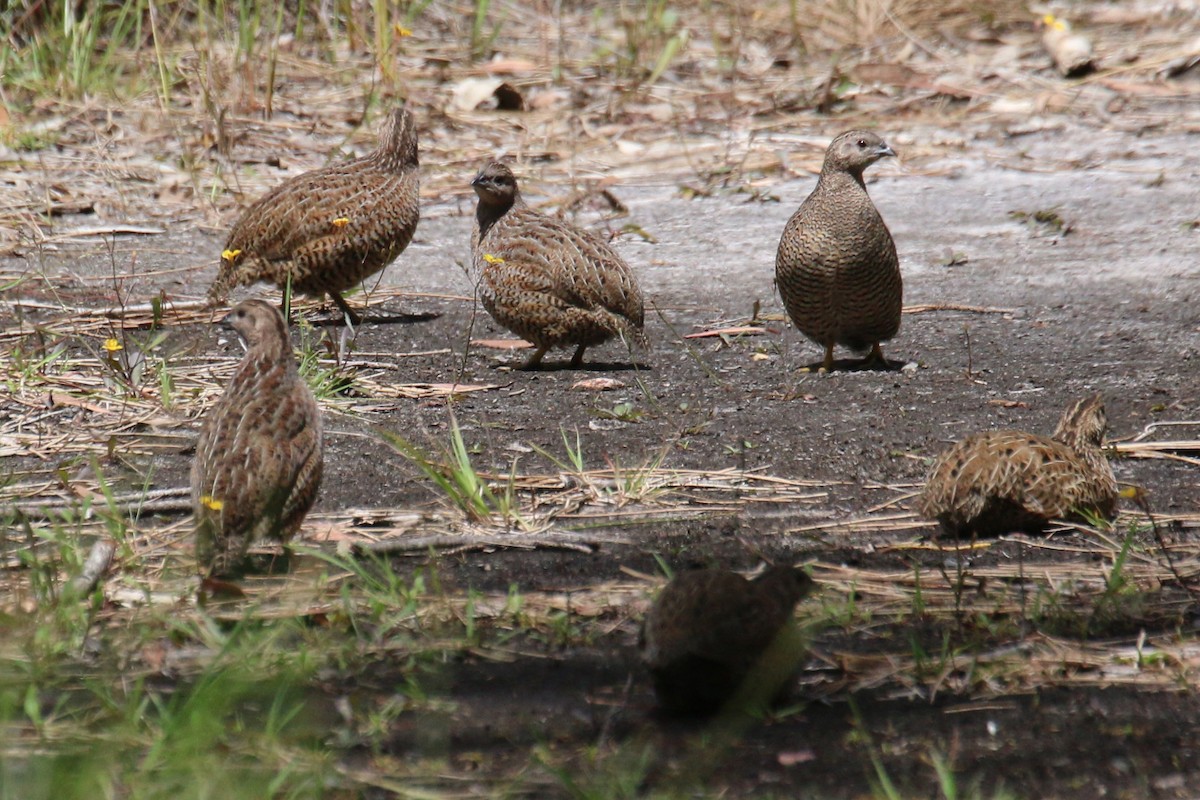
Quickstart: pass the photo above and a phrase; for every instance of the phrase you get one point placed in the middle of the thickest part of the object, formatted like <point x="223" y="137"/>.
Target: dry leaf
<point x="154" y="655"/>
<point x="790" y="758"/>
<point x="58" y="400"/>
<point x="742" y="330"/>
<point x="507" y="66"/>
<point x="502" y="344"/>
<point x="217" y="589"/>
<point x="598" y="384"/>
<point x="551" y="98"/>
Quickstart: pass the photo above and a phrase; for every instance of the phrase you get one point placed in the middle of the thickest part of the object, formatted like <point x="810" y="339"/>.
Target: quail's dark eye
<point x="862" y="142"/>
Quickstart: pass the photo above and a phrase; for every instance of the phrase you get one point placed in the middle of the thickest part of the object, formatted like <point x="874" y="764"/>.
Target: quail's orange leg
<point x="577" y="359"/>
<point x="535" y="359"/>
<point x="875" y="357"/>
<point x="827" y="364"/>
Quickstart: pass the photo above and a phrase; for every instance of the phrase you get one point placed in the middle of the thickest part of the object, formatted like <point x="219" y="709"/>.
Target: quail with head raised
<point x="1001" y="481"/>
<point x="325" y="231"/>
<point x="546" y="280"/>
<point x="709" y="628"/>
<point x="836" y="266"/>
<point x="258" y="458"/>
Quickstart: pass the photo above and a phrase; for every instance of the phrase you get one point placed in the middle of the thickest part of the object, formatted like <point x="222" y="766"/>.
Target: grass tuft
<point x="453" y="472"/>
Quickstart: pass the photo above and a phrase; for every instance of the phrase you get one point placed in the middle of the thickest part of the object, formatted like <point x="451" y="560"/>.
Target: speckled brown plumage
<point x="1000" y="481"/>
<point x="546" y="280"/>
<point x="330" y="228"/>
<point x="258" y="458"/>
<point x="836" y="266"/>
<point x="709" y="627"/>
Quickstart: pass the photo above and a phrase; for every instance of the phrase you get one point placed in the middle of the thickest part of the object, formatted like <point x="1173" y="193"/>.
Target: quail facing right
<point x="836" y="266"/>
<point x="708" y="628"/>
<point x="999" y="481"/>
<point x="258" y="458"/>
<point x="546" y="280"/>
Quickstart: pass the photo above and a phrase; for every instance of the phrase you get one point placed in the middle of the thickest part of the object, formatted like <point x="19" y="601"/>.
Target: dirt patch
<point x="1044" y="258"/>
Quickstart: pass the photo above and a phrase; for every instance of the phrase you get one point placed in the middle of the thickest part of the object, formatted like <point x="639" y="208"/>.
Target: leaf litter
<point x="134" y="172"/>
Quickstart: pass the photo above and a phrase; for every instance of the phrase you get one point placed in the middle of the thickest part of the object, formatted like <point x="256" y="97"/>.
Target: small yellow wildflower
<point x="208" y="501"/>
<point x="491" y="259"/>
<point x="341" y="222"/>
<point x="112" y="345"/>
<point x="401" y="31"/>
<point x="230" y="255"/>
<point x="1050" y="21"/>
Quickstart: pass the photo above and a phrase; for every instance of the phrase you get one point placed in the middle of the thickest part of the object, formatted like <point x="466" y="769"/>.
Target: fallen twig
<point x="175" y="499"/>
<point x="927" y="307"/>
<point x="581" y="542"/>
<point x="94" y="567"/>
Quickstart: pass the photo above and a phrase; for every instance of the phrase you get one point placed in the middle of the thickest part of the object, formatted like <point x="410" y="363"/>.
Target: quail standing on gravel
<point x="258" y="458"/>
<point x="836" y="266"/>
<point x="327" y="230"/>
<point x="709" y="628"/>
<point x="1001" y="481"/>
<point x="546" y="280"/>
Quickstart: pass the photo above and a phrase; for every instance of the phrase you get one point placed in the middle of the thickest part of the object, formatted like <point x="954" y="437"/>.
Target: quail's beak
<point x="227" y="324"/>
<point x="478" y="180"/>
<point x="885" y="150"/>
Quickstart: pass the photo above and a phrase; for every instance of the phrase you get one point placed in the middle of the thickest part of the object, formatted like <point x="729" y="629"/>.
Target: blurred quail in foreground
<point x="709" y="629"/>
<point x="258" y="459"/>
<point x="1001" y="481"/>
<point x="836" y="267"/>
<point x="544" y="279"/>
<point x="329" y="229"/>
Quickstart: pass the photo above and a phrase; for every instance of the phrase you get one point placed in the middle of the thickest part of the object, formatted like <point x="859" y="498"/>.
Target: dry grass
<point x="214" y="111"/>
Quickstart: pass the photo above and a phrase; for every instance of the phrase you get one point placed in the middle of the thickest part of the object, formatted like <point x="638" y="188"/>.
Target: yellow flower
<point x="401" y="31"/>
<point x="1051" y="22"/>
<point x="112" y="345"/>
<point x="208" y="501"/>
<point x="341" y="222"/>
<point x="230" y="255"/>
<point x="491" y="259"/>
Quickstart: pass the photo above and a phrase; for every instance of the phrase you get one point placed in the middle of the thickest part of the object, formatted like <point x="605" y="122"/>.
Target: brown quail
<point x="329" y="229"/>
<point x="1000" y="481"/>
<point x="836" y="266"/>
<point x="544" y="279"/>
<point x="709" y="627"/>
<point x="258" y="458"/>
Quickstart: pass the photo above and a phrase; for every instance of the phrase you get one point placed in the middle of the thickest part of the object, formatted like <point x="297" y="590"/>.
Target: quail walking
<point x="708" y="628"/>
<point x="1001" y="481"/>
<point x="327" y="230"/>
<point x="836" y="266"/>
<point x="258" y="458"/>
<point x="546" y="280"/>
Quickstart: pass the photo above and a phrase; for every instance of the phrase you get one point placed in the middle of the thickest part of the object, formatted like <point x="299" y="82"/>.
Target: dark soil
<point x="1109" y="305"/>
